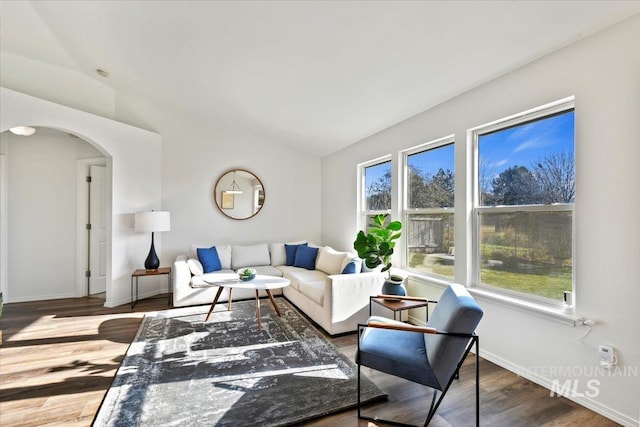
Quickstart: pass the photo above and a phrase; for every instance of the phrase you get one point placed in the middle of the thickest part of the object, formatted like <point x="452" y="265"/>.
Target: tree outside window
<point x="377" y="190"/>
<point x="429" y="231"/>
<point x="526" y="192"/>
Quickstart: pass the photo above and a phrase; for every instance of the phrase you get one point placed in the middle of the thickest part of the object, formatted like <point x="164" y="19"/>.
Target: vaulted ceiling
<point x="317" y="74"/>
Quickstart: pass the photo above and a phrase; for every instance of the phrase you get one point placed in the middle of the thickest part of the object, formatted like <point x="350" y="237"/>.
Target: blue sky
<point x="517" y="146"/>
<point x="430" y="161"/>
<point x="374" y="173"/>
<point x="521" y="145"/>
<point x="433" y="160"/>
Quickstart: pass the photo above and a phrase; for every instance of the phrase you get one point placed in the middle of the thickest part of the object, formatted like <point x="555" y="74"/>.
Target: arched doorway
<point x="133" y="187"/>
<point x="44" y="227"/>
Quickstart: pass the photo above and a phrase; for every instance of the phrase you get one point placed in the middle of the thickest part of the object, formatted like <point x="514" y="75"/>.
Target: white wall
<point x="196" y="154"/>
<point x="56" y="84"/>
<point x="133" y="165"/>
<point x="192" y="157"/>
<point x="603" y="72"/>
<point x="42" y="214"/>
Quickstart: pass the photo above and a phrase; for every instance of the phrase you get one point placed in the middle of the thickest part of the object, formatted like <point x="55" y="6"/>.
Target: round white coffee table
<point x="260" y="282"/>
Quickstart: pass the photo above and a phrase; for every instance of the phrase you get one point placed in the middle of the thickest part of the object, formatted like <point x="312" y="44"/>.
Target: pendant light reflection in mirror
<point x="239" y="194"/>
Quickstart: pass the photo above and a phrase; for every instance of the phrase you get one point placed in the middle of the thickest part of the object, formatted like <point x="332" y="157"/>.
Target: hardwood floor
<point x="58" y="359"/>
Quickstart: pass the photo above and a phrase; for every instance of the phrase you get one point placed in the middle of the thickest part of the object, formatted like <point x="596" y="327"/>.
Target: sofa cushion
<point x="209" y="259"/>
<point x="286" y="273"/>
<point x="247" y="256"/>
<point x="298" y="275"/>
<point x="266" y="270"/>
<point x="195" y="266"/>
<point x="314" y="290"/>
<point x="278" y="255"/>
<point x="290" y="251"/>
<point x="224" y="253"/>
<point x="330" y="261"/>
<point x="306" y="257"/>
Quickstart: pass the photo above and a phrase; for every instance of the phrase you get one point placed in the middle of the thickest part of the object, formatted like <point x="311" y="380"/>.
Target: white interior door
<point x="98" y="234"/>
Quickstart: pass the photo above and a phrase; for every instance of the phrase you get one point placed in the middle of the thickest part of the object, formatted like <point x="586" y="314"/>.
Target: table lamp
<point x="152" y="221"/>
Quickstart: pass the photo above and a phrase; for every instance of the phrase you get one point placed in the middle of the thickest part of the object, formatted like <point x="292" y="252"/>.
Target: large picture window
<point x="524" y="200"/>
<point x="429" y="207"/>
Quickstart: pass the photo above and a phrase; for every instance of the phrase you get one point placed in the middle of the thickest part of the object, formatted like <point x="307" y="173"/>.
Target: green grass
<point x="545" y="281"/>
<point x="544" y="285"/>
<point x="440" y="269"/>
<point x="417" y="263"/>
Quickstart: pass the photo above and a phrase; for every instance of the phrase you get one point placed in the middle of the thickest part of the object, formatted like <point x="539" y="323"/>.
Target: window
<point x="524" y="202"/>
<point x="376" y="191"/>
<point x="429" y="203"/>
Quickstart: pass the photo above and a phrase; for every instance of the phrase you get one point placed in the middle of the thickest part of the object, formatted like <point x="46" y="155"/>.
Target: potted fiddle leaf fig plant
<point x="376" y="248"/>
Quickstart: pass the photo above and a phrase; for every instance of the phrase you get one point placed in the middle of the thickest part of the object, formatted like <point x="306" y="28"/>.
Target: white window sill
<point x="552" y="313"/>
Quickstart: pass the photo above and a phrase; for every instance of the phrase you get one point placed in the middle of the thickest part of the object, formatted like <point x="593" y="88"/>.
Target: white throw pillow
<point x="195" y="266"/>
<point x="249" y="256"/>
<point x="224" y="253"/>
<point x="193" y="250"/>
<point x="330" y="261"/>
<point x="278" y="255"/>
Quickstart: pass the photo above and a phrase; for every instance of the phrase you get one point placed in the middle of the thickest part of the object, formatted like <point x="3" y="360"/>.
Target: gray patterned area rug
<point x="181" y="371"/>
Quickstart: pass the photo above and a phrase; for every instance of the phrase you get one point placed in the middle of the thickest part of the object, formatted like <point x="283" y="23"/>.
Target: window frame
<point x="363" y="212"/>
<point x="545" y="111"/>
<point x="406" y="211"/>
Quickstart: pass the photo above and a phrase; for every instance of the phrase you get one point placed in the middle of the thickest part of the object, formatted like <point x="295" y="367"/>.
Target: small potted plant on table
<point x="376" y="248"/>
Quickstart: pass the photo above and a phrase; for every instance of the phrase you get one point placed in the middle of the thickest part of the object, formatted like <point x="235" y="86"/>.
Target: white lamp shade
<point x="152" y="221"/>
<point x="23" y="130"/>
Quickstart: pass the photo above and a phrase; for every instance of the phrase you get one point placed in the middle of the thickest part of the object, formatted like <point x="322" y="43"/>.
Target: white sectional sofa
<point x="335" y="301"/>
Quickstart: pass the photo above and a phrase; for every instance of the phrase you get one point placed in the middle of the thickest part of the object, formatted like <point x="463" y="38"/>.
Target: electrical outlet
<point x="607" y="356"/>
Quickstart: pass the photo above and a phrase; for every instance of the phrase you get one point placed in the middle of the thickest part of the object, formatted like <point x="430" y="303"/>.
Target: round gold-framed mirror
<point x="239" y="194"/>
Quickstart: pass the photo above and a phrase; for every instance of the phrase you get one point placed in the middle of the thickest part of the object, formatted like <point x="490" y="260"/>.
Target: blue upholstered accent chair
<point x="430" y="355"/>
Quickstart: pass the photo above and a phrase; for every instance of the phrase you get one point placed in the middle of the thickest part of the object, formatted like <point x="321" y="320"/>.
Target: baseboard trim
<point x="122" y="301"/>
<point x="38" y="298"/>
<point x="587" y="402"/>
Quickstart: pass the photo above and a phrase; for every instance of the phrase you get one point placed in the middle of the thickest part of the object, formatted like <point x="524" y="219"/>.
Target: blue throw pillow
<point x="350" y="268"/>
<point x="306" y="257"/>
<point x="209" y="259"/>
<point x="290" y="251"/>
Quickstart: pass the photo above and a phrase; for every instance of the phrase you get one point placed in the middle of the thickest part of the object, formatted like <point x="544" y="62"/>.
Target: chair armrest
<point x="181" y="272"/>
<point x="402" y="327"/>
<point x="348" y="294"/>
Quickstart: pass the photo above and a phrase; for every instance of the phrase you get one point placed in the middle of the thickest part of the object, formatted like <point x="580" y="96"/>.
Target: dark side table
<point x="144" y="273"/>
<point x="399" y="304"/>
